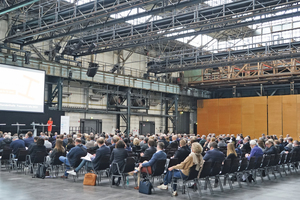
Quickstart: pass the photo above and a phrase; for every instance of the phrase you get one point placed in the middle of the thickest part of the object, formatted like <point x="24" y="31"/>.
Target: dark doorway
<point x="90" y="125"/>
<point x="147" y="127"/>
<point x="195" y="128"/>
<point x="183" y="122"/>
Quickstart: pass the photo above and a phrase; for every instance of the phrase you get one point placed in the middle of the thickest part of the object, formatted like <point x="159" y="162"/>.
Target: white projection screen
<point x="21" y="89"/>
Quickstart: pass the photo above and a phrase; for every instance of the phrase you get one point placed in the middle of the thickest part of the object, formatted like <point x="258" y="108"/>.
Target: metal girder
<point x="187" y="24"/>
<point x="17" y="6"/>
<point x="56" y="28"/>
<point x="199" y="59"/>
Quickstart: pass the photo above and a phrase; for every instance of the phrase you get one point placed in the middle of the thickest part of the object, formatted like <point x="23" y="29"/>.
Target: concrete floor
<point x="23" y="187"/>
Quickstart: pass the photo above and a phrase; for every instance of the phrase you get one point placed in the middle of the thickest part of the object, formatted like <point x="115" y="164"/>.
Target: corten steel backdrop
<point x="273" y="115"/>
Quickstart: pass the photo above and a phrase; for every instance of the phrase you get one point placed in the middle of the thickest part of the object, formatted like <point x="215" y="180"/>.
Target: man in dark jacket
<point x="270" y="148"/>
<point x="203" y="140"/>
<point x="74" y="156"/>
<point x="246" y="146"/>
<point x="296" y="148"/>
<point x="163" y="140"/>
<point x="183" y="152"/>
<point x="16" y="145"/>
<point x="174" y="143"/>
<point x="102" y="151"/>
<point x="145" y="145"/>
<point x="214" y="154"/>
<point x="6" y="142"/>
<point x="150" y="151"/>
<point x="29" y="139"/>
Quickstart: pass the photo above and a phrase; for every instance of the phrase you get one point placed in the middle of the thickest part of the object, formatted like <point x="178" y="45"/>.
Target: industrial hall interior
<point x="149" y="99"/>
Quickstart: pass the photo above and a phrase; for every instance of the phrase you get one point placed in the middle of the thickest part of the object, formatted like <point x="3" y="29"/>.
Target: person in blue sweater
<point x="255" y="151"/>
<point x="28" y="139"/>
<point x="16" y="145"/>
<point x="73" y="158"/>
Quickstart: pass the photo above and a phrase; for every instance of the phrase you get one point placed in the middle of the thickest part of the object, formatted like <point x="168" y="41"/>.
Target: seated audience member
<point x="151" y="150"/>
<point x="5" y="142"/>
<point x="255" y="151"/>
<point x="90" y="142"/>
<point x="136" y="145"/>
<point x="270" y="149"/>
<point x="128" y="147"/>
<point x="221" y="143"/>
<point x="145" y="144"/>
<point x="70" y="144"/>
<point x="16" y="145"/>
<point x="159" y="155"/>
<point x="34" y="143"/>
<point x="174" y="143"/>
<point x="58" y="151"/>
<point x="114" y="141"/>
<point x="296" y="147"/>
<point x="202" y="141"/>
<point x="74" y="156"/>
<point x="183" y="169"/>
<point x="289" y="146"/>
<point x="277" y="146"/>
<point x="163" y="140"/>
<point x="231" y="153"/>
<point x="182" y="152"/>
<point x="261" y="144"/>
<point x="28" y="139"/>
<point x="103" y="150"/>
<point x="47" y="144"/>
<point x="118" y="156"/>
<point x="214" y="154"/>
<point x="245" y="147"/>
<point x="35" y="148"/>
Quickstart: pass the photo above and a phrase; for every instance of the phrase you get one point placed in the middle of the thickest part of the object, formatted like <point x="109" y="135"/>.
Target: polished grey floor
<point x="18" y="186"/>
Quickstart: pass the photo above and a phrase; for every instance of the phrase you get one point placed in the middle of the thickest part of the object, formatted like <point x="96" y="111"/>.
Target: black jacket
<point x="296" y="150"/>
<point x="271" y="150"/>
<point x="118" y="155"/>
<point x="35" y="148"/>
<point x="54" y="156"/>
<point x="182" y="153"/>
<point x="102" y="151"/>
<point x="75" y="154"/>
<point x="5" y="143"/>
<point x="246" y="148"/>
<point x="173" y="145"/>
<point x="149" y="152"/>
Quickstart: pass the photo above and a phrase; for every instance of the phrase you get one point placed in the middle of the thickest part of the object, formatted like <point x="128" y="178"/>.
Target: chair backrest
<point x="129" y="165"/>
<point x="104" y="163"/>
<point x="144" y="158"/>
<point x="282" y="158"/>
<point x="216" y="169"/>
<point x="276" y="160"/>
<point x="22" y="155"/>
<point x="244" y="164"/>
<point x="226" y="167"/>
<point x="159" y="168"/>
<point x="258" y="162"/>
<point x="272" y="157"/>
<point x="173" y="162"/>
<point x="6" y="154"/>
<point x="251" y="163"/>
<point x="288" y="158"/>
<point x="39" y="157"/>
<point x="235" y="163"/>
<point x="206" y="169"/>
<point x="294" y="157"/>
<point x="193" y="174"/>
<point x="266" y="161"/>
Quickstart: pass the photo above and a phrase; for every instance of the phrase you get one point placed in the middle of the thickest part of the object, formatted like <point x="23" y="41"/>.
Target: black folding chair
<point x="123" y="173"/>
<point x="192" y="177"/>
<point x="282" y="163"/>
<point x="225" y="171"/>
<point x="240" y="171"/>
<point x="216" y="169"/>
<point x="40" y="158"/>
<point x="257" y="166"/>
<point x="249" y="168"/>
<point x="103" y="167"/>
<point x="205" y="175"/>
<point x="233" y="170"/>
<point x="172" y="162"/>
<point x="21" y="159"/>
<point x="158" y="172"/>
<point x="293" y="162"/>
<point x="144" y="158"/>
<point x="6" y="158"/>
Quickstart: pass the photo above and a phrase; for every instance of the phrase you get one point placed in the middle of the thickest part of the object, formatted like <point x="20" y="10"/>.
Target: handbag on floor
<point x="90" y="179"/>
<point x="145" y="187"/>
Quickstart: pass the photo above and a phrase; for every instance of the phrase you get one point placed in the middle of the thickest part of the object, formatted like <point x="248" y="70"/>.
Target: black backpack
<point x="41" y="171"/>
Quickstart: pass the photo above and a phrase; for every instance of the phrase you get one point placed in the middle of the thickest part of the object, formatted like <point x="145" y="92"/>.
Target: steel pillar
<point x="128" y="111"/>
<point x="60" y="91"/>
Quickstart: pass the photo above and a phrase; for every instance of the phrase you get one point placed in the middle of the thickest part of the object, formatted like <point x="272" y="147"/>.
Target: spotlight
<point x="91" y="47"/>
<point x="14" y="57"/>
<point x="92" y="70"/>
<point x="27" y="57"/>
<point x="70" y="74"/>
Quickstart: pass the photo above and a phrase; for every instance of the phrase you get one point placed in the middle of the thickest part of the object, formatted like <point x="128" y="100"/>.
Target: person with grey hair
<point x="47" y="144"/>
<point x="270" y="148"/>
<point x="255" y="151"/>
<point x="6" y="142"/>
<point x="203" y="140"/>
<point x="16" y="145"/>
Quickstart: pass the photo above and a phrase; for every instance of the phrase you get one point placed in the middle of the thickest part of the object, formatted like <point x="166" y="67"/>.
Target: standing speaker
<point x="92" y="70"/>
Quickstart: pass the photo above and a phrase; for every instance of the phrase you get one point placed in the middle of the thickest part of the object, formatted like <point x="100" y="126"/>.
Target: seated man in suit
<point x="183" y="152"/>
<point x="270" y="148"/>
<point x="114" y="141"/>
<point x="174" y="143"/>
<point x="103" y="150"/>
<point x="150" y="151"/>
<point x="246" y="146"/>
<point x="159" y="155"/>
<point x="74" y="156"/>
<point x="214" y="154"/>
<point x="296" y="148"/>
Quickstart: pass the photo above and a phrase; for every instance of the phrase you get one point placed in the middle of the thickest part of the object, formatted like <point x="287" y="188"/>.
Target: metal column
<point x="175" y="119"/>
<point x="128" y="111"/>
<point x="60" y="91"/>
<point x="166" y="118"/>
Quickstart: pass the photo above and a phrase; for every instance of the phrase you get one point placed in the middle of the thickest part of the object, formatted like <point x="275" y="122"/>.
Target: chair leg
<point x="198" y="183"/>
<point x="225" y="177"/>
<point x="238" y="180"/>
<point x="187" y="190"/>
<point x="209" y="185"/>
<point x="267" y="173"/>
<point x="220" y="183"/>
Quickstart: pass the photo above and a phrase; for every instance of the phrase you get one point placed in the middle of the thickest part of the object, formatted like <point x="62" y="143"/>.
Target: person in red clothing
<point x="50" y="122"/>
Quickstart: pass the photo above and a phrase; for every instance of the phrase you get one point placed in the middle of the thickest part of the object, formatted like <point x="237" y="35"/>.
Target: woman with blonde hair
<point x="182" y="170"/>
<point x="231" y="153"/>
<point x="136" y="145"/>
